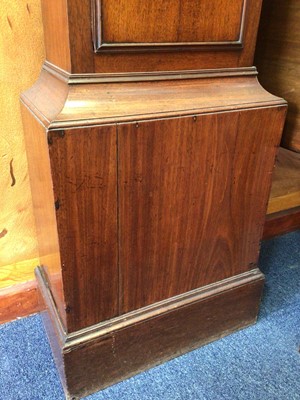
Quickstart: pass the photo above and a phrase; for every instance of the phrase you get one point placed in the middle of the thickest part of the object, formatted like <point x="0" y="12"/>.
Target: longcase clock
<point x="150" y="147"/>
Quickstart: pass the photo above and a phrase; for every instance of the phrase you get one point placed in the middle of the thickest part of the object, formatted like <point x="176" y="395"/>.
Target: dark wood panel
<point x="69" y="41"/>
<point x="166" y="22"/>
<point x="43" y="204"/>
<point x="80" y="33"/>
<point x="193" y="196"/>
<point x="126" y="352"/>
<point x="83" y="165"/>
<point x="278" y="57"/>
<point x="187" y="60"/>
<point x="111" y="351"/>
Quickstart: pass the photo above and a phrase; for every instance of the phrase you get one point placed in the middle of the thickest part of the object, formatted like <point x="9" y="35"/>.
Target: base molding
<point x="17" y="301"/>
<point x="106" y="353"/>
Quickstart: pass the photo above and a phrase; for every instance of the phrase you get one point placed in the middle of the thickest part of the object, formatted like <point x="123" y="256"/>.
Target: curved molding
<point x="60" y="101"/>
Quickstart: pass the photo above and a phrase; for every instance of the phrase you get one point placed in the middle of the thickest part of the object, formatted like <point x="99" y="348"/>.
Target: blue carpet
<point x="261" y="362"/>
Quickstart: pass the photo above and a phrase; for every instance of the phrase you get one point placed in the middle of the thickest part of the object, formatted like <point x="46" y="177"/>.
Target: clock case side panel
<point x="35" y="135"/>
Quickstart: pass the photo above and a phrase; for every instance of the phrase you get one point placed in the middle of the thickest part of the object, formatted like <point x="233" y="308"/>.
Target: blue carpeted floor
<point x="261" y="362"/>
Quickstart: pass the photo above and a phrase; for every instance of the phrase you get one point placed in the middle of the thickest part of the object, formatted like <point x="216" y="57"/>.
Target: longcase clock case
<point x="150" y="148"/>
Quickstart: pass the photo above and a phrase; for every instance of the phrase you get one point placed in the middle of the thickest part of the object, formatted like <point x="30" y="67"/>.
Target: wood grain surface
<point x="193" y="196"/>
<point x="278" y="57"/>
<point x="71" y="42"/>
<point x="84" y="171"/>
<point x="43" y="204"/>
<point x="187" y="21"/>
<point x="281" y="222"/>
<point x="19" y="301"/>
<point x="285" y="191"/>
<point x="109" y="352"/>
<point x="56" y="33"/>
<point x="91" y="165"/>
<point x="16" y="273"/>
<point x="60" y="106"/>
<point x="129" y="351"/>
<point x="21" y="55"/>
<point x="151" y="195"/>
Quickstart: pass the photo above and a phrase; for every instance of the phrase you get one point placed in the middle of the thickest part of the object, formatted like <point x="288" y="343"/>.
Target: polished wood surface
<point x="285" y="191"/>
<point x="56" y="33"/>
<point x="70" y="44"/>
<point x="83" y="164"/>
<point x="177" y="178"/>
<point x="60" y="106"/>
<point x="185" y="59"/>
<point x="91" y="165"/>
<point x="161" y="146"/>
<point x="19" y="300"/>
<point x="188" y="22"/>
<point x="43" y="203"/>
<point x="17" y="273"/>
<point x="109" y="352"/>
<point x="278" y="57"/>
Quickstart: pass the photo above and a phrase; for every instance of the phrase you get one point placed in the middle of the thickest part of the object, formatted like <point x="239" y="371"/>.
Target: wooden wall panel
<point x="190" y="195"/>
<point x="17" y="273"/>
<point x="21" y="54"/>
<point x="83" y="163"/>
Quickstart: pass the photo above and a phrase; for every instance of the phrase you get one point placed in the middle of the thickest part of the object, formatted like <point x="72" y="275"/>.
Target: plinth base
<point x="111" y="351"/>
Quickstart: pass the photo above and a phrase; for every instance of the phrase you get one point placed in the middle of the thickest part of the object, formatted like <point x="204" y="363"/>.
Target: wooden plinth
<point x="103" y="354"/>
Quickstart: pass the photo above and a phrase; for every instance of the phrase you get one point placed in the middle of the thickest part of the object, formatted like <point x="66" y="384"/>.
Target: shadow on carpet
<point x="261" y="362"/>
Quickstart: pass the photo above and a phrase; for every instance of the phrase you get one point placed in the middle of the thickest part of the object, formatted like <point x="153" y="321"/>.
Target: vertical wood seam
<point x="120" y="286"/>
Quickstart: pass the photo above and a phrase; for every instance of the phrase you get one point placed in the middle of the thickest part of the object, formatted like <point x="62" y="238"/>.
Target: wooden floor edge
<point x="281" y="222"/>
<point x="18" y="301"/>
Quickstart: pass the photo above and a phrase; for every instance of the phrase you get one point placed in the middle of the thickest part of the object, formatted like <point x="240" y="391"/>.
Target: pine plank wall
<point x="21" y="55"/>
